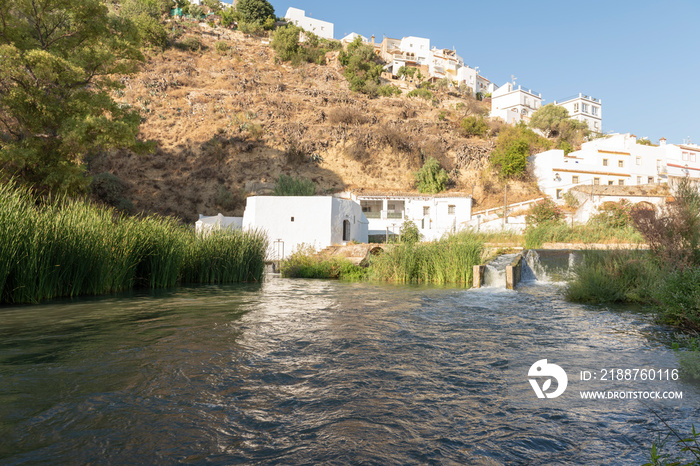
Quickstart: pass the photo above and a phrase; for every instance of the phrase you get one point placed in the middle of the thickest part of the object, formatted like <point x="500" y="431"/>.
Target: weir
<point x="543" y="266"/>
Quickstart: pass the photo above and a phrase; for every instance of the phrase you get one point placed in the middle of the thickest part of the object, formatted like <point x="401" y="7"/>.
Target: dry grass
<point x="240" y="117"/>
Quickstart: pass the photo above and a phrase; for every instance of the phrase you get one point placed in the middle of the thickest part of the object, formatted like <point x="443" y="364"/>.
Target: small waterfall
<point x="554" y="267"/>
<point x="495" y="273"/>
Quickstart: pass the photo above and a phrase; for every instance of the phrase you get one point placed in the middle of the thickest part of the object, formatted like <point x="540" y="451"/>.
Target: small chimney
<point x="373" y="39"/>
<point x="662" y="141"/>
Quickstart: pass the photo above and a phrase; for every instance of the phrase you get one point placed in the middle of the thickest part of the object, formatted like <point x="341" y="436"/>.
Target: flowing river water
<point x="308" y="372"/>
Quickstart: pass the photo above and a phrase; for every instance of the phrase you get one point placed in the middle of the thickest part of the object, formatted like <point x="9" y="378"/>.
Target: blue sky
<point x="641" y="58"/>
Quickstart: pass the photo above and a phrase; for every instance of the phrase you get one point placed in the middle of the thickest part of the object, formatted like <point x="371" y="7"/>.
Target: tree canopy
<point x="255" y="11"/>
<point x="554" y="121"/>
<point x="58" y="64"/>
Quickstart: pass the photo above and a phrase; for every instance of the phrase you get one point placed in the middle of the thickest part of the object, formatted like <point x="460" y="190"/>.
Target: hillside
<point x="229" y="122"/>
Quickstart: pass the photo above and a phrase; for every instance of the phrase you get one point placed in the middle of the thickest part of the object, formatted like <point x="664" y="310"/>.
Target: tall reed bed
<point x="70" y="247"/>
<point x="449" y="260"/>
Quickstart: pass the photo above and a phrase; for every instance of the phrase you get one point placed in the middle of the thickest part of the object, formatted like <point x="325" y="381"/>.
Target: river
<point x="308" y="372"/>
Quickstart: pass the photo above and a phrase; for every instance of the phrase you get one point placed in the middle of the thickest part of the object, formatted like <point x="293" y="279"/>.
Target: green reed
<point x="65" y="247"/>
<point x="448" y="260"/>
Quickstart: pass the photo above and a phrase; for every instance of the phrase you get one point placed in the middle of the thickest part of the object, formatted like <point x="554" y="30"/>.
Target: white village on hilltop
<point x="606" y="168"/>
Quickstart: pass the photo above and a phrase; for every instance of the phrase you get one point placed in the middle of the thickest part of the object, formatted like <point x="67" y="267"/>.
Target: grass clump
<point x="422" y="93"/>
<point x="613" y="277"/>
<point x="62" y="247"/>
<point x="306" y="263"/>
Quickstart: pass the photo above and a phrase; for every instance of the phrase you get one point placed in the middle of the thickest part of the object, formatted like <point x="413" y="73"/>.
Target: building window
<point x="559" y="191"/>
<point x="692" y="156"/>
<point x="575" y="107"/>
<point x="685" y="156"/>
<point x="620" y="163"/>
<point x="611" y="182"/>
<point x="594" y="110"/>
<point x="292" y="219"/>
<point x="450" y="209"/>
<point x="584" y="108"/>
<point x="426" y="211"/>
<point x="391" y="207"/>
<point x="346" y="230"/>
<point x="574" y="179"/>
<point x="639" y="160"/>
<point x="639" y="180"/>
<point x="621" y="182"/>
<point x="605" y="162"/>
<point x="596" y="181"/>
<point x="650" y="180"/>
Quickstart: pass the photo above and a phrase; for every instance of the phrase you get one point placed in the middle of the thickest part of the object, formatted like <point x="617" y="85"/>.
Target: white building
<point x="351" y="38"/>
<point x="512" y="103"/>
<point x="320" y="28"/>
<point x="434" y="215"/>
<point x="292" y="221"/>
<point x="444" y="63"/>
<point x="585" y="108"/>
<point x="615" y="160"/>
<point x="206" y="225"/>
<point x="484" y="86"/>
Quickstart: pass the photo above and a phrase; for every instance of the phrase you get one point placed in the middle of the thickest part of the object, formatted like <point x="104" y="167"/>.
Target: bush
<point x="388" y="90"/>
<point x="290" y="186"/>
<point x="422" y="93"/>
<point x="432" y="178"/>
<point x="473" y="126"/>
<point x="678" y="299"/>
<point x="511" y="161"/>
<point x="306" y="263"/>
<point x="545" y="211"/>
<point x="614" y="214"/>
<point x="108" y="188"/>
<point x="189" y="43"/>
<point x="409" y="232"/>
<point x="221" y="47"/>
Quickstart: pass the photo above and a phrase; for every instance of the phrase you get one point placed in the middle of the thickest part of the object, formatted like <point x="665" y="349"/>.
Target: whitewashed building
<point x="513" y="103"/>
<point x="320" y="28"/>
<point x="444" y="63"/>
<point x="206" y="225"/>
<point x="292" y="221"/>
<point x="434" y="215"/>
<point x="351" y="38"/>
<point x="615" y="160"/>
<point x="584" y="108"/>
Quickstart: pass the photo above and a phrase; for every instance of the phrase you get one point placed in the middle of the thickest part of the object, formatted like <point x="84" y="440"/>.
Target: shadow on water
<point x="304" y="371"/>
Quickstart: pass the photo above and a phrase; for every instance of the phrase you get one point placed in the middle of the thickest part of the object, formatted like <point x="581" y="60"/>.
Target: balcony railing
<point x="373" y="214"/>
<point x="394" y="215"/>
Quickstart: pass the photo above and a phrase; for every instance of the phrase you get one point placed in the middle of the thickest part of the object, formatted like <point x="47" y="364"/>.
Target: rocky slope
<point x="229" y="122"/>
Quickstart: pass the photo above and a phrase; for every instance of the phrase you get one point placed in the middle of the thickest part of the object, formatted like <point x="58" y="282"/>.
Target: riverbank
<point x="64" y="248"/>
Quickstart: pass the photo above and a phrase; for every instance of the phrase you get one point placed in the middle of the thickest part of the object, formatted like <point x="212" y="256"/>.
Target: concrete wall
<point x="207" y="224"/>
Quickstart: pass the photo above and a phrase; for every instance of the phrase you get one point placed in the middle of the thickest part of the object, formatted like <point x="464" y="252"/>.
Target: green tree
<point x="213" y="5"/>
<point x="362" y="67"/>
<point x="255" y="11"/>
<point x="146" y="15"/>
<point x="431" y="178"/>
<point x="548" y="118"/>
<point x="407" y="71"/>
<point x="59" y="61"/>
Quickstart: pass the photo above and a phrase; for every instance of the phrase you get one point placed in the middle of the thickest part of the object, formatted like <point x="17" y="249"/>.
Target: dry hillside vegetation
<point x="228" y="122"/>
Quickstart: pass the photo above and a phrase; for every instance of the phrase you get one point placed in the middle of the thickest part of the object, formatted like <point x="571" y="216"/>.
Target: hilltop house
<point x="615" y="160"/>
<point x="320" y="28"/>
<point x="584" y="108"/>
<point x="434" y="215"/>
<point x="513" y="104"/>
<point x="292" y="221"/>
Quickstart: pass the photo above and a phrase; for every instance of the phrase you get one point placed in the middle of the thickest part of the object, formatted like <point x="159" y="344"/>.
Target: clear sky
<point x="641" y="58"/>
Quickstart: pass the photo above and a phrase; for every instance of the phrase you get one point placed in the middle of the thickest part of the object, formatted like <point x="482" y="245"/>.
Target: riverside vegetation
<point x="63" y="248"/>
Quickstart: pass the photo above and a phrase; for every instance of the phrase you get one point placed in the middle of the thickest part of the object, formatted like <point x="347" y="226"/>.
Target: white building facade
<point x="320" y="28"/>
<point x="585" y="108"/>
<point x="293" y="221"/>
<point x="512" y="103"/>
<point x="433" y="215"/>
<point x="616" y="160"/>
